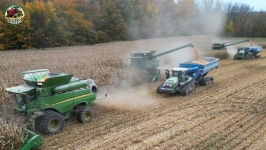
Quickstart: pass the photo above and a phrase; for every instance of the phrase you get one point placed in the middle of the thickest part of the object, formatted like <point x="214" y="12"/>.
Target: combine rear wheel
<point x="52" y="122"/>
<point x="85" y="115"/>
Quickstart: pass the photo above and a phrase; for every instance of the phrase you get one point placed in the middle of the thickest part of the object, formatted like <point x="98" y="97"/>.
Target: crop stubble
<point x="230" y="113"/>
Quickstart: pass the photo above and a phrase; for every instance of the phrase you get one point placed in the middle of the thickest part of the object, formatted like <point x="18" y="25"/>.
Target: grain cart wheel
<point x="247" y="57"/>
<point x="52" y="122"/>
<point x="85" y="115"/>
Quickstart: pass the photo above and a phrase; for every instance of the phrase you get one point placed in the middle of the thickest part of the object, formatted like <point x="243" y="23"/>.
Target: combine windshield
<point x="21" y="99"/>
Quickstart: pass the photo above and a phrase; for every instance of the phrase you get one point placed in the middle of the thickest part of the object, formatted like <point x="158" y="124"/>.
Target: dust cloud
<point x="125" y="97"/>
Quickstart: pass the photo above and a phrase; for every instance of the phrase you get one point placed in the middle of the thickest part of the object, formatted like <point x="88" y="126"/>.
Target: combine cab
<point x="149" y="62"/>
<point x="48" y="99"/>
<point x="248" y="52"/>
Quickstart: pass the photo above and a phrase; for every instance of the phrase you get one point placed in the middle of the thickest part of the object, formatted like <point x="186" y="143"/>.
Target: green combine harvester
<point x="48" y="99"/>
<point x="223" y="46"/>
<point x="149" y="62"/>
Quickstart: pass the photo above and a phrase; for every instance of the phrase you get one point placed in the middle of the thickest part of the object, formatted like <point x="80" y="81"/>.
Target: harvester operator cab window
<point x="21" y="99"/>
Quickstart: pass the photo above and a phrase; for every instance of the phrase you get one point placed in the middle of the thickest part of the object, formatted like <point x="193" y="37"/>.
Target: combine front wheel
<point x="52" y="122"/>
<point x="85" y="115"/>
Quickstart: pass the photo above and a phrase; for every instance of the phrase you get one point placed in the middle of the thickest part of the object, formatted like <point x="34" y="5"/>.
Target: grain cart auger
<point x="149" y="62"/>
<point x="223" y="46"/>
<point x="48" y="99"/>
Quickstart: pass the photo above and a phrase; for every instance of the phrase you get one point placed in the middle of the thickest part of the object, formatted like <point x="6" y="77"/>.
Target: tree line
<point x="84" y="22"/>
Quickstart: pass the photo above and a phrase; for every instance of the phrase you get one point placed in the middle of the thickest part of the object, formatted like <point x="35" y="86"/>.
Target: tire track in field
<point x="211" y="140"/>
<point x="259" y="141"/>
<point x="120" y="126"/>
<point x="154" y="121"/>
<point x="250" y="137"/>
<point x="164" y="137"/>
<point x="247" y="132"/>
<point x="234" y="132"/>
<point x="185" y="136"/>
<point x="206" y="130"/>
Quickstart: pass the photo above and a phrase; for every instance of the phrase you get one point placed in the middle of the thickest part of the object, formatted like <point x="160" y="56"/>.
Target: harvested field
<point x="228" y="114"/>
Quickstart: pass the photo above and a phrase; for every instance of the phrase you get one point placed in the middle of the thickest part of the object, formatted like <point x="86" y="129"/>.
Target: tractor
<point x="179" y="82"/>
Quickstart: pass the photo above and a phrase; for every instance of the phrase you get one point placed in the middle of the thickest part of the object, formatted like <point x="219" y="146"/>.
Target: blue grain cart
<point x="184" y="78"/>
<point x="199" y="71"/>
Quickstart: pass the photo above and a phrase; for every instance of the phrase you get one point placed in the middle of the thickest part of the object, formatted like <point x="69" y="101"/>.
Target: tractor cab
<point x="181" y="74"/>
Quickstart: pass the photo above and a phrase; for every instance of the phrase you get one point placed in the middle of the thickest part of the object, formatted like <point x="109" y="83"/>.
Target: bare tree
<point x="240" y="15"/>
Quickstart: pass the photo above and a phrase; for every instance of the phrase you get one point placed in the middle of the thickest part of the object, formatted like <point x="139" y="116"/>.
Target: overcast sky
<point x="256" y="4"/>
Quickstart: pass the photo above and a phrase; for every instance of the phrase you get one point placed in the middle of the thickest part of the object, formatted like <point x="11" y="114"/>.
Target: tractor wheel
<point x="251" y="56"/>
<point x="247" y="57"/>
<point x="52" y="122"/>
<point x="158" y="90"/>
<point x="85" y="115"/>
<point x="194" y="87"/>
<point x="186" y="93"/>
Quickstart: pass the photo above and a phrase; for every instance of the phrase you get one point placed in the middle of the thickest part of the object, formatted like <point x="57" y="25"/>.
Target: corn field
<point x="227" y="114"/>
